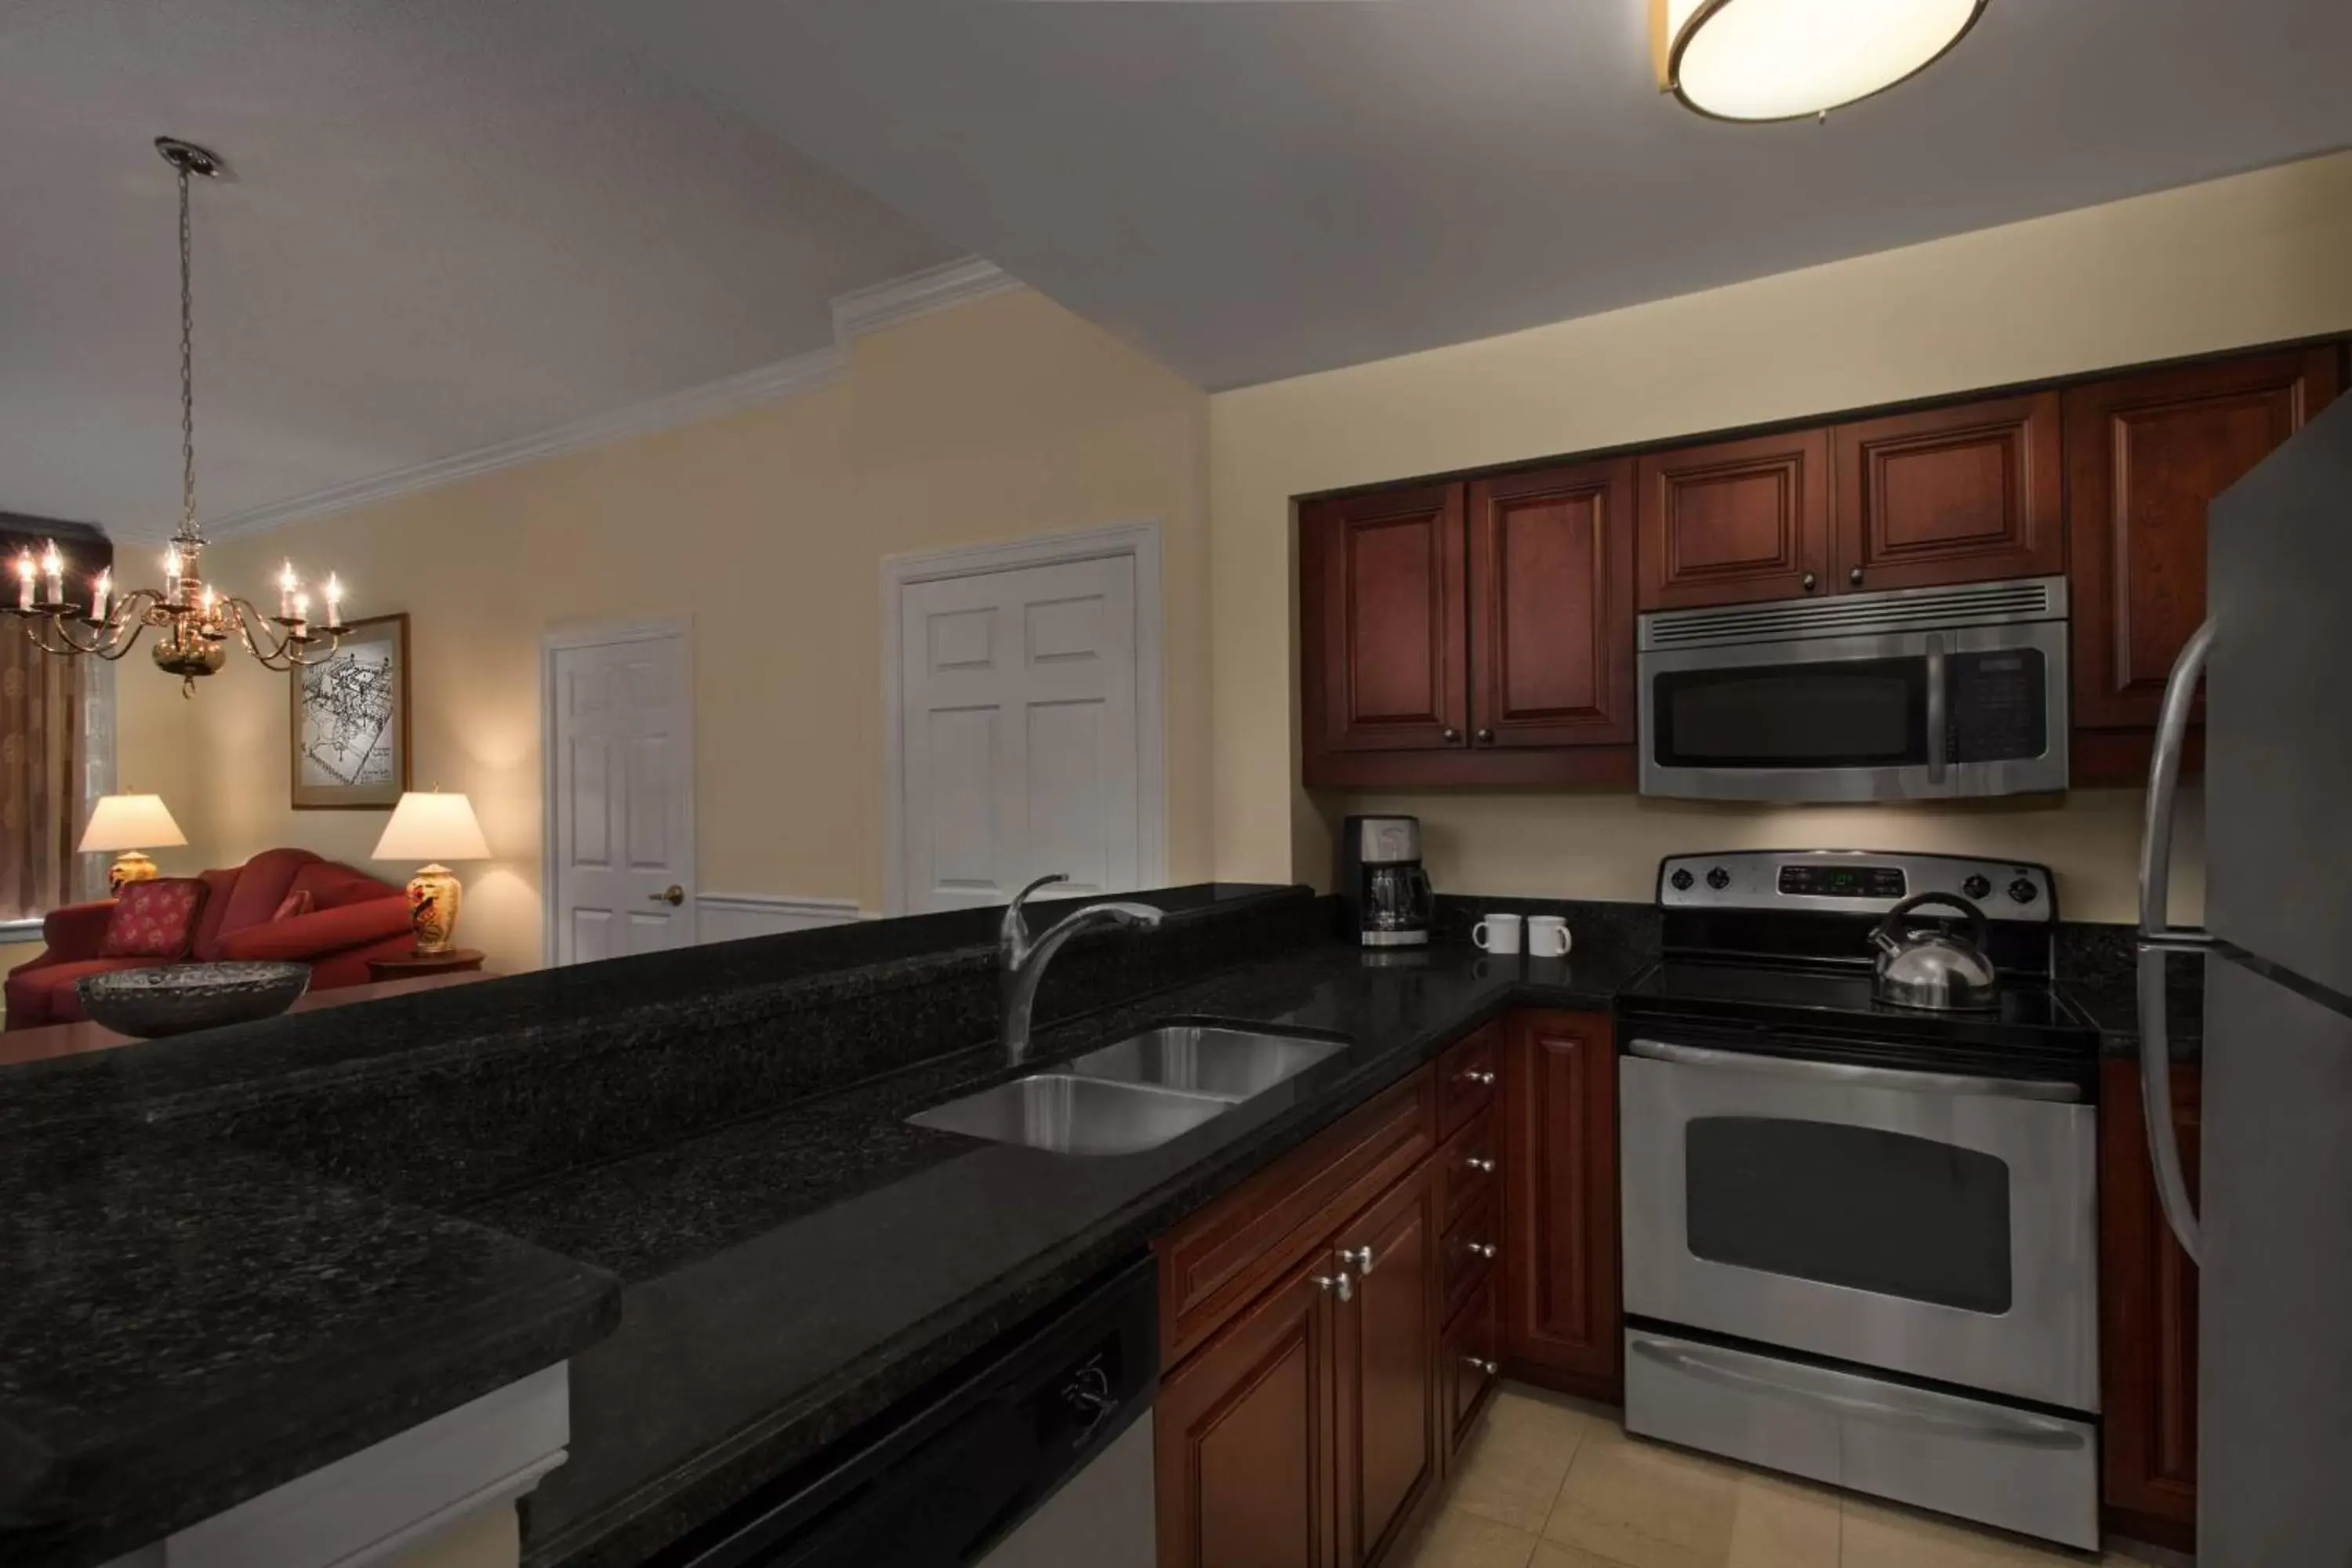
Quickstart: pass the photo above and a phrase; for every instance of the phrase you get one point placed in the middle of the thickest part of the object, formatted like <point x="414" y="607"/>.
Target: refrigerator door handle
<point x="2158" y="937"/>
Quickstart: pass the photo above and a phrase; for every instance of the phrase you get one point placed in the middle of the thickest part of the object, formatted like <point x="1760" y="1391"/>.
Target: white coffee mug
<point x="1547" y="937"/>
<point x="1497" y="933"/>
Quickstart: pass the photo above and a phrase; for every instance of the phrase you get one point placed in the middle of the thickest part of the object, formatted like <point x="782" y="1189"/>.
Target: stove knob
<point x="1682" y="881"/>
<point x="2023" y="892"/>
<point x="1977" y="887"/>
<point x="1718" y="879"/>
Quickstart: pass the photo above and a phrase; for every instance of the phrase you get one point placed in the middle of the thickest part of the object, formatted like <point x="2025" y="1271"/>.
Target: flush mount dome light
<point x="1784" y="59"/>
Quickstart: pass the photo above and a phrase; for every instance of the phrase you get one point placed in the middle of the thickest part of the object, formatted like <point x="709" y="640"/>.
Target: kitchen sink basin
<point x="1072" y="1115"/>
<point x="1230" y="1064"/>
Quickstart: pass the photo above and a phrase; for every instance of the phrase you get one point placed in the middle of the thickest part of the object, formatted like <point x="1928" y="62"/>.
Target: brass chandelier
<point x="193" y="622"/>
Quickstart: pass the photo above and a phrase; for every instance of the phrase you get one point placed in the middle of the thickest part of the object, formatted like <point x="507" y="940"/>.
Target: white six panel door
<point x="623" y="797"/>
<point x="1018" y="743"/>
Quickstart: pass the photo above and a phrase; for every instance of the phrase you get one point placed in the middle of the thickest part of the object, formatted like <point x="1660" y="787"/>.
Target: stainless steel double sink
<point x="1135" y="1094"/>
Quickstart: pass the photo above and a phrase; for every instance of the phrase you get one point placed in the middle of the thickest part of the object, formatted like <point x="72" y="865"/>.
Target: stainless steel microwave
<point x="1919" y="694"/>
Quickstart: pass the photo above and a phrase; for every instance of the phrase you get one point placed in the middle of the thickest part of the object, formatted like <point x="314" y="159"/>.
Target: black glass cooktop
<point x="1829" y="1013"/>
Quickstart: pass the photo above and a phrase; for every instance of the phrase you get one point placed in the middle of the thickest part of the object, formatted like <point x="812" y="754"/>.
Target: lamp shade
<point x="430" y="826"/>
<point x="130" y="822"/>
<point x="1782" y="59"/>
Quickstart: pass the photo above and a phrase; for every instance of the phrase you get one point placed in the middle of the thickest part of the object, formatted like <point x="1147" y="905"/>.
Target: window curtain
<point x="44" y="755"/>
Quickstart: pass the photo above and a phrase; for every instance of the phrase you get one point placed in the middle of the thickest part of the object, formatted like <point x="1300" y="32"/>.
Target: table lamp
<point x="432" y="827"/>
<point x="130" y="822"/>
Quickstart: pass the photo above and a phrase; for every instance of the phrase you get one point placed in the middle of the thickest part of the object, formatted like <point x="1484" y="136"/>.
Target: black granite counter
<point x="2097" y="971"/>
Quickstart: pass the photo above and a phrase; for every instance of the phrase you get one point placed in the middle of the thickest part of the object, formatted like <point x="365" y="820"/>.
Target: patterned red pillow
<point x="153" y="920"/>
<point x="293" y="904"/>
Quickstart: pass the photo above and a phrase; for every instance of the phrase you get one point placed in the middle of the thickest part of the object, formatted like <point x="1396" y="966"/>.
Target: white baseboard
<point x="729" y="917"/>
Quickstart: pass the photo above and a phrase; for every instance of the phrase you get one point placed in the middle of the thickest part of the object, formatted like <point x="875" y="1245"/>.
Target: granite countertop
<point x="731" y="1364"/>
<point x="2098" y="972"/>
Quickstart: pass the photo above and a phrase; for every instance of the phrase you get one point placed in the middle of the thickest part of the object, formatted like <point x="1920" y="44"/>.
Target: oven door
<point x="1968" y="710"/>
<point x="1933" y="1225"/>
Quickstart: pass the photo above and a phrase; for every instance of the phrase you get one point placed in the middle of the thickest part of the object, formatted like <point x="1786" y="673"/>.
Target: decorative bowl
<point x="179" y="997"/>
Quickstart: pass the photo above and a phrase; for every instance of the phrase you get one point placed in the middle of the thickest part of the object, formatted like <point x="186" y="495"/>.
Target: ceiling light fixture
<point x="193" y="622"/>
<point x="1785" y="59"/>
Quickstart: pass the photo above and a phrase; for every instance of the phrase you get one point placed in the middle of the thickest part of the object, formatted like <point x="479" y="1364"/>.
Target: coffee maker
<point x="1384" y="894"/>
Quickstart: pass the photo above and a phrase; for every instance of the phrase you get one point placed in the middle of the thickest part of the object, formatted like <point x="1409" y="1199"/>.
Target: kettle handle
<point x="1884" y="935"/>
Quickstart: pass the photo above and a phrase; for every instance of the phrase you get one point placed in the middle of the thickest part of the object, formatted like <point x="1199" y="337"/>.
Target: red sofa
<point x="352" y="917"/>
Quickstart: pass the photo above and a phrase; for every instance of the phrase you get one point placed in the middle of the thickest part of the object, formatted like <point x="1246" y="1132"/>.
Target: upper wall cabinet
<point x="1384" y="619"/>
<point x="2145" y="453"/>
<point x="1551" y="607"/>
<point x="1968" y="494"/>
<point x="1735" y="520"/>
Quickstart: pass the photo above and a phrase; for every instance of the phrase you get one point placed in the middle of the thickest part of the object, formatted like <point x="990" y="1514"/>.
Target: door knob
<point x="1451" y="735"/>
<point x="1808" y="582"/>
<point x="672" y="895"/>
<point x="1486" y="737"/>
<point x="1854" y="577"/>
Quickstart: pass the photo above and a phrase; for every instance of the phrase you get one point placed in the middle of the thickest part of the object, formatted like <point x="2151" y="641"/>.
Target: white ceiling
<point x="458" y="222"/>
<point x="452" y="223"/>
<point x="1252" y="191"/>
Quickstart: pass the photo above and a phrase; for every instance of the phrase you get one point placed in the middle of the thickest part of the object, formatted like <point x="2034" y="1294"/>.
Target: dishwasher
<point x="1034" y="1454"/>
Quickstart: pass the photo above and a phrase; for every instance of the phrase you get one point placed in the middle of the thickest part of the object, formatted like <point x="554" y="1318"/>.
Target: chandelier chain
<point x="187" y="374"/>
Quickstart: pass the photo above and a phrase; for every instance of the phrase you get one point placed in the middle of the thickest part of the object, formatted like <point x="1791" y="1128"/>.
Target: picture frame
<point x="347" y="722"/>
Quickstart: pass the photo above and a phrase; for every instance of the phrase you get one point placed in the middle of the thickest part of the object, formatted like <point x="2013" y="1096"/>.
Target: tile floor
<point x="1548" y="1482"/>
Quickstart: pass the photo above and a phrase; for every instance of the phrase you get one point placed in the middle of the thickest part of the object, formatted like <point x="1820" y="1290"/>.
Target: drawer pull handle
<point x="1359" y="1259"/>
<point x="1480" y="1365"/>
<point x="1480" y="1163"/>
<point x="1479" y="1076"/>
<point x="1483" y="1248"/>
<point x="1336" y="1284"/>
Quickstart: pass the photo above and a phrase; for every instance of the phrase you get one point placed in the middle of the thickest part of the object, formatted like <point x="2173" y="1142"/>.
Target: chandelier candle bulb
<point x="334" y="600"/>
<point x="288" y="586"/>
<point x="25" y="580"/>
<point x="301" y="613"/>
<point x="53" y="567"/>
<point x="101" y="589"/>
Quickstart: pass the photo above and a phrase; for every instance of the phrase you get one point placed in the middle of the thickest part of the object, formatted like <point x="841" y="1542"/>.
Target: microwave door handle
<point x="2158" y="937"/>
<point x="1938" y="707"/>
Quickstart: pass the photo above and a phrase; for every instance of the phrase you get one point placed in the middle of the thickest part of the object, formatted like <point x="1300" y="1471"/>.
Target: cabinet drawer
<point x="1466" y="1077"/>
<point x="1214" y="1263"/>
<point x="1471" y="1247"/>
<point x="1468" y="1166"/>
<point x="1468" y="1362"/>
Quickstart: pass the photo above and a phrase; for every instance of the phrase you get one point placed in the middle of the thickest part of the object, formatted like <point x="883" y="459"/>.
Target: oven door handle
<point x="1854" y="1075"/>
<point x="1938" y="707"/>
<point x="2017" y="1429"/>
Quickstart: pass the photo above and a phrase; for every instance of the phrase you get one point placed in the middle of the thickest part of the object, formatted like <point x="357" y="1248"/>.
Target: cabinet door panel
<point x="1551" y="596"/>
<point x="1386" y="618"/>
<point x="1735" y="520"/>
<point x="1243" y="1436"/>
<point x="1562" y="1307"/>
<point x="2145" y="455"/>
<point x="1471" y="1350"/>
<point x="1951" y="495"/>
<point x="1386" y="1385"/>
<point x="2148" y="1317"/>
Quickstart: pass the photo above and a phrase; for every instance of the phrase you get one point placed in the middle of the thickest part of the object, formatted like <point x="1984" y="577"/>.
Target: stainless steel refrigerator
<point x="2273" y="1229"/>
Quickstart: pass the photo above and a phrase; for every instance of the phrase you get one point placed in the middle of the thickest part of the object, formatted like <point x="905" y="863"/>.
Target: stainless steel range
<point x="1861" y="1238"/>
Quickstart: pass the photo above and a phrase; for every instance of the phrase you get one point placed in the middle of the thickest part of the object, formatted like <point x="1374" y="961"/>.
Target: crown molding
<point x="855" y="313"/>
<point x="941" y="288"/>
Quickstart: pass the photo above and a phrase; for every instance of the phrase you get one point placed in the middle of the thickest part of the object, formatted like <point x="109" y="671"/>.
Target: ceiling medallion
<point x="193" y="622"/>
<point x="1787" y="59"/>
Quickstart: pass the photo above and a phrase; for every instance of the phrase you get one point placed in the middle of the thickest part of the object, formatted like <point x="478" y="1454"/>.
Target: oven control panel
<point x="1853" y="881"/>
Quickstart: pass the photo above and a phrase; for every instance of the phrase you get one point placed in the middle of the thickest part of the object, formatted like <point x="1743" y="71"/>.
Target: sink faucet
<point x="1023" y="960"/>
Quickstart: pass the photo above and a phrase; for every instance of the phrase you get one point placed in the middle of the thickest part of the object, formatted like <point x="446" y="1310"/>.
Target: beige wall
<point x="2256" y="258"/>
<point x="1004" y="419"/>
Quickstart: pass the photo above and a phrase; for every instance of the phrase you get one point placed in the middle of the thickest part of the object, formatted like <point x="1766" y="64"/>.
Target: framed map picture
<point x="350" y="723"/>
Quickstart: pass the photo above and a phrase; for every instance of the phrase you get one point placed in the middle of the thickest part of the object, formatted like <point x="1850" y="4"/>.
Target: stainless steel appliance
<point x="2274" y="1238"/>
<point x="1918" y="693"/>
<point x="1933" y="968"/>
<point x="1861" y="1238"/>
<point x="1384" y="894"/>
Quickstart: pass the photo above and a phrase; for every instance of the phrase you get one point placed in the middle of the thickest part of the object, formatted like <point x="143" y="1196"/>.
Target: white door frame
<point x="602" y="634"/>
<point x="1138" y="540"/>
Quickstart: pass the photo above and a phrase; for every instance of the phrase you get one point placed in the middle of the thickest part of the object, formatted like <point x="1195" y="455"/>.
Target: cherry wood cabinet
<point x="1386" y="1392"/>
<point x="1468" y="1359"/>
<point x="1384" y="624"/>
<point x="1963" y="494"/>
<point x="1729" y="521"/>
<point x="2145" y="453"/>
<point x="1244" y="1437"/>
<point x="1562" y="1305"/>
<point x="1551" y="607"/>
<point x="2148" y="1320"/>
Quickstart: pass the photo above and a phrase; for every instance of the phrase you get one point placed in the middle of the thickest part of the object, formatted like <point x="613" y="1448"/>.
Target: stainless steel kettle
<point x="1932" y="968"/>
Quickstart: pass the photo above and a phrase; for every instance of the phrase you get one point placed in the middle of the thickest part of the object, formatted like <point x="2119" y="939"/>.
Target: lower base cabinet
<point x="1468" y="1361"/>
<point x="1386" y="1391"/>
<point x="1562" y="1306"/>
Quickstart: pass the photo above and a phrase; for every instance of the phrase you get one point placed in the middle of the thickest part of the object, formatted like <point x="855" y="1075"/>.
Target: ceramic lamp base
<point x="433" y="895"/>
<point x="131" y="866"/>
